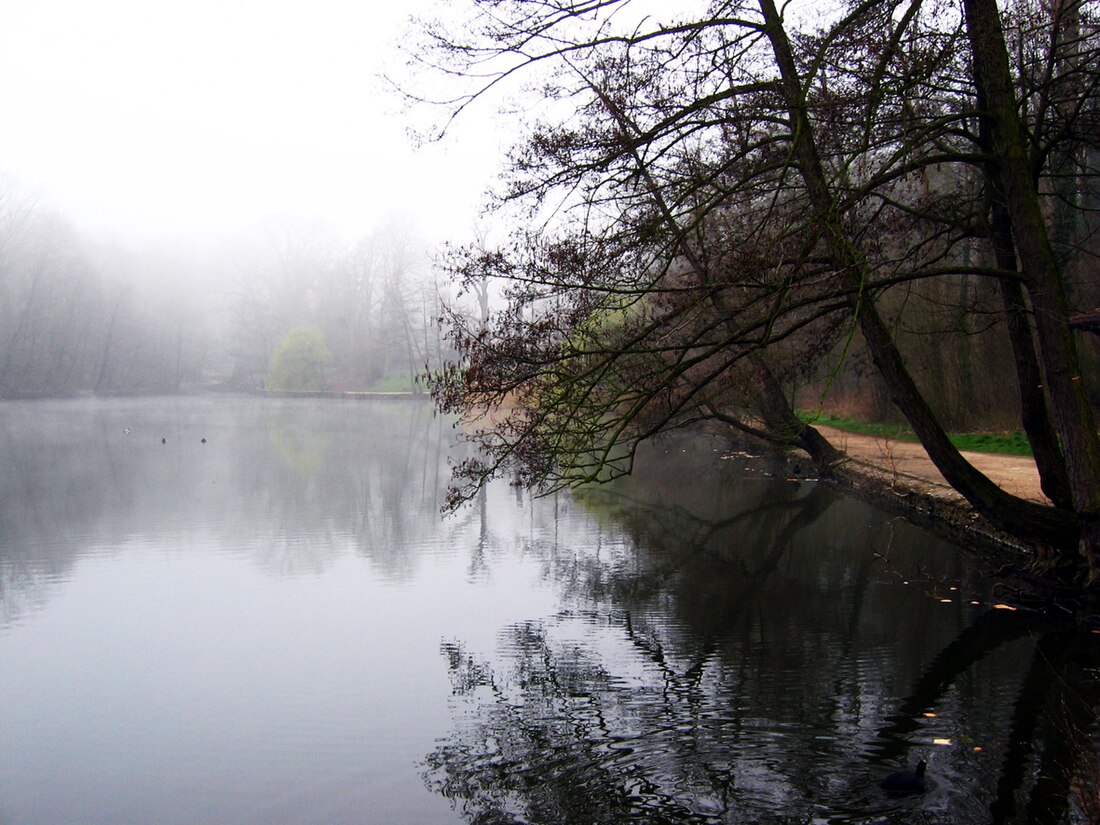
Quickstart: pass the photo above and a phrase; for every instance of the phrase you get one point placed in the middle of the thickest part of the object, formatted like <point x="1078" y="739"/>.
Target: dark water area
<point x="276" y="625"/>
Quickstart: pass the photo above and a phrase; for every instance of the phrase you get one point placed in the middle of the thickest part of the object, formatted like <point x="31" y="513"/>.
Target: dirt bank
<point x="910" y="464"/>
<point x="900" y="477"/>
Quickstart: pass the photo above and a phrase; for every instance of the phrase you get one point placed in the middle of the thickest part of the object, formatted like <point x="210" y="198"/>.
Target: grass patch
<point x="856" y="425"/>
<point x="1004" y="443"/>
<point x="392" y="383"/>
<point x="1008" y="443"/>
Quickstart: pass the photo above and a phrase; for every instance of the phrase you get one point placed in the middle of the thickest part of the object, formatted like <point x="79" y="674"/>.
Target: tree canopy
<point x="299" y="362"/>
<point x="736" y="194"/>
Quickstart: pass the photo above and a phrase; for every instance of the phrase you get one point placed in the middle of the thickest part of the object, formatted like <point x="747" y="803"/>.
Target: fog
<point x="182" y="185"/>
<point x="161" y="119"/>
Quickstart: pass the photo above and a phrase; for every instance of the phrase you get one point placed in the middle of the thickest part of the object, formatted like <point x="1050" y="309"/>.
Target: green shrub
<point x="299" y="362"/>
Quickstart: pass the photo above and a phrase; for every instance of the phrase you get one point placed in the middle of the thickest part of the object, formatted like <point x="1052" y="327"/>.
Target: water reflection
<point x="269" y="626"/>
<point x="296" y="485"/>
<point x="753" y="650"/>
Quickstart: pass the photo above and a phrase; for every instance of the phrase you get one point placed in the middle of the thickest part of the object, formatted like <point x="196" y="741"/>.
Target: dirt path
<point x="910" y="464"/>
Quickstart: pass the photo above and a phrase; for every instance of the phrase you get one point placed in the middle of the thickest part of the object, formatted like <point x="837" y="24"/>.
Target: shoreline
<point x="940" y="510"/>
<point x="356" y="395"/>
<point x="919" y="495"/>
<point x="901" y="478"/>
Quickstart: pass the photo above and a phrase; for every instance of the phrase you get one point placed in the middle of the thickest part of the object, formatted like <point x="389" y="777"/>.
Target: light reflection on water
<point x="276" y="625"/>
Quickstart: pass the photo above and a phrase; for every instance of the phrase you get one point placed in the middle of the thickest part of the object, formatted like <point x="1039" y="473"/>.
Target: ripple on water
<point x="253" y="626"/>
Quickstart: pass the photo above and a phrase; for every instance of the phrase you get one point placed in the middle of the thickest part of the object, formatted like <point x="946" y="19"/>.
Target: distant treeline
<point x="374" y="308"/>
<point x="79" y="316"/>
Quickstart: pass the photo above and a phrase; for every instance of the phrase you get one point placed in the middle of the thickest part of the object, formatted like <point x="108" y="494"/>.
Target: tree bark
<point x="1072" y="414"/>
<point x="776" y="411"/>
<point x="1034" y="414"/>
<point x="1087" y="322"/>
<point x="1031" y="522"/>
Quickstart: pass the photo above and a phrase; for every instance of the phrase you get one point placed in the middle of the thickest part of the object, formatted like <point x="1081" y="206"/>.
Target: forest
<point x="730" y="213"/>
<point x="736" y="211"/>
<point x="82" y="316"/>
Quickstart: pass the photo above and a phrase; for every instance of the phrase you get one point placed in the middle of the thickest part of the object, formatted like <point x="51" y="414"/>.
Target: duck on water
<point x="906" y="781"/>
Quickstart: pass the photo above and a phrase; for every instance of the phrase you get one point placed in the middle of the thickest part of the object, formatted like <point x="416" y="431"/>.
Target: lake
<point x="250" y="610"/>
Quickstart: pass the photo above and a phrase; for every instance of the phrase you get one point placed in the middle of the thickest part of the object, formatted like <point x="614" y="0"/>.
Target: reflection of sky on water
<point x="732" y="652"/>
<point x="242" y="630"/>
<point x="277" y="625"/>
<point x="293" y="485"/>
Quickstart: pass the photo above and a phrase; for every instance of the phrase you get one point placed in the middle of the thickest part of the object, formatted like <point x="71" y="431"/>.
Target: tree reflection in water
<point x="733" y="663"/>
<point x="298" y="482"/>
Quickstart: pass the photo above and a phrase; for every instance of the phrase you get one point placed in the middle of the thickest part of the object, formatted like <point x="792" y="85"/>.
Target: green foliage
<point x="1008" y="443"/>
<point x="858" y="426"/>
<point x="393" y="383"/>
<point x="607" y="319"/>
<point x="1005" y="443"/>
<point x="299" y="362"/>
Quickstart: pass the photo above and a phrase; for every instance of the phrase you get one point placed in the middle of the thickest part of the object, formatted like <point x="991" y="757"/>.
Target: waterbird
<point x="906" y="781"/>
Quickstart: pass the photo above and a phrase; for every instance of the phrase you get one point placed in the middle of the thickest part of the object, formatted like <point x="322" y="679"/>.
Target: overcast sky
<point x="149" y="118"/>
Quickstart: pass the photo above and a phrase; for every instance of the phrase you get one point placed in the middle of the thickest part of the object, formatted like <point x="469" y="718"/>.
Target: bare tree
<point x="738" y="194"/>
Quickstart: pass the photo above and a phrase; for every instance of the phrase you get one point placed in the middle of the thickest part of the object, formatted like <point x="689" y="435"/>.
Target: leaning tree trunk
<point x="780" y="418"/>
<point x="1033" y="403"/>
<point x="1033" y="400"/>
<point x="1073" y="418"/>
<point x="783" y="426"/>
<point x="1028" y="520"/>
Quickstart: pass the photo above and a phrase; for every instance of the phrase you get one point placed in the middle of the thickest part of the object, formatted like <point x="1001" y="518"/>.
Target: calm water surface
<point x="277" y="626"/>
